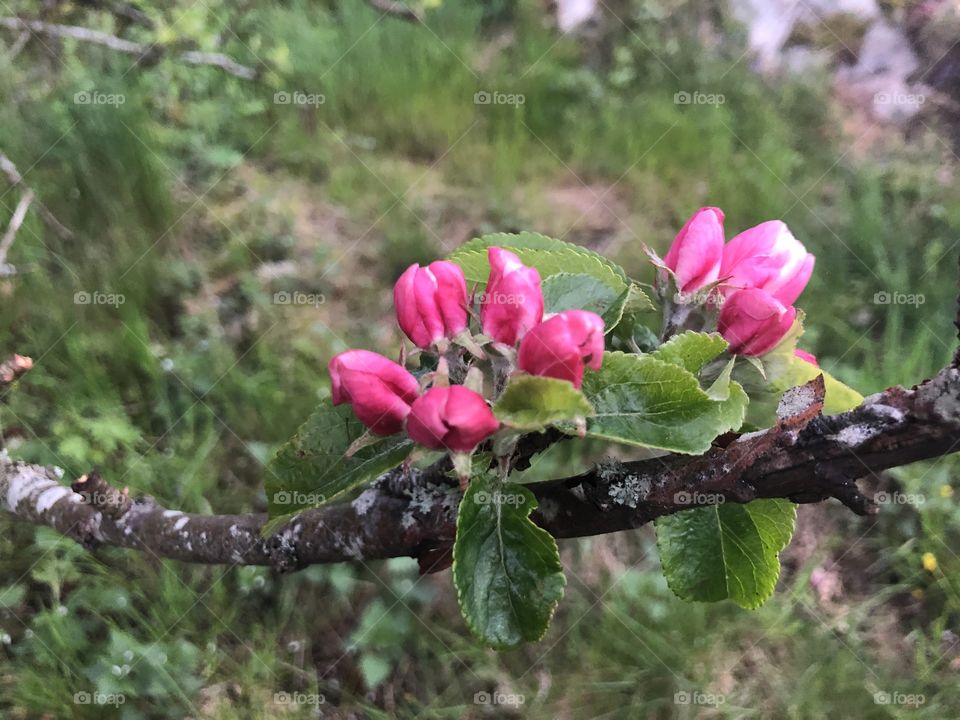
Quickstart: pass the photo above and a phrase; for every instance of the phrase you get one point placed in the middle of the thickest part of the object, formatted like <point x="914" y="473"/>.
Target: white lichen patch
<point x="629" y="491"/>
<point x="181" y="523"/>
<point x="856" y="435"/>
<point x="795" y="401"/>
<point x="365" y="501"/>
<point x="944" y="393"/>
<point x="26" y="482"/>
<point x="894" y="415"/>
<point x="172" y="513"/>
<point x="947" y="407"/>
<point x="422" y="498"/>
<point x="49" y="497"/>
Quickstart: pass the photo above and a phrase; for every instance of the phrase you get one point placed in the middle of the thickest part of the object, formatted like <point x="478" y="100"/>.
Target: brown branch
<point x="806" y="458"/>
<point x="129" y="47"/>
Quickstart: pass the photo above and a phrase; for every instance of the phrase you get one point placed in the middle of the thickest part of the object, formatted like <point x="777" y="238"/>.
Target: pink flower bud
<point x="512" y="302"/>
<point x="454" y="417"/>
<point x="695" y="254"/>
<point x="561" y="346"/>
<point x="431" y="302"/>
<point x="807" y="357"/>
<point x="767" y="257"/>
<point x="379" y="390"/>
<point x="754" y="321"/>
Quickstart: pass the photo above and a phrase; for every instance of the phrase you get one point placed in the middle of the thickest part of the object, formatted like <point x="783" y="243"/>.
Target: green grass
<point x="180" y="195"/>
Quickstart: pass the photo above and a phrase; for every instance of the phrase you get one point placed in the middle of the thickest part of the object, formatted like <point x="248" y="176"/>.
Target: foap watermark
<point x="698" y="498"/>
<point x="898" y="498"/>
<point x="899" y="98"/>
<point x="95" y="97"/>
<point x="298" y="97"/>
<point x="98" y="698"/>
<point x="499" y="698"/>
<point x="484" y="97"/>
<point x="500" y="298"/>
<point x="499" y="498"/>
<point x="95" y="297"/>
<point x="695" y="697"/>
<point x="884" y="697"/>
<point x="299" y="499"/>
<point x="683" y="97"/>
<point x="886" y="297"/>
<point x="299" y="698"/>
<point x="284" y="297"/>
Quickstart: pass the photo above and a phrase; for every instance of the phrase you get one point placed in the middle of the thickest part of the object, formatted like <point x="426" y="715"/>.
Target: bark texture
<point x="806" y="458"/>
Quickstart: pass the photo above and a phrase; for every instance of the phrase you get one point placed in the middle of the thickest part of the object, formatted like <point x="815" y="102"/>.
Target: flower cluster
<point x="434" y="311"/>
<point x="754" y="279"/>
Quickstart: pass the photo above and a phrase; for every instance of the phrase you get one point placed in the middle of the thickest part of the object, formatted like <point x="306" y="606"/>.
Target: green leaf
<point x="506" y="569"/>
<point x="576" y="291"/>
<point x="548" y="255"/>
<point x="12" y="595"/>
<point x="721" y="387"/>
<point x="725" y="551"/>
<point x="312" y="468"/>
<point x="691" y="350"/>
<point x="625" y="309"/>
<point x="642" y="400"/>
<point x="532" y="403"/>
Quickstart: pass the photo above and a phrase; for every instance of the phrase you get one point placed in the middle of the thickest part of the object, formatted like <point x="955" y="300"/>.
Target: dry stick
<point x="806" y="458"/>
<point x="19" y="44"/>
<point x="396" y="9"/>
<point x="15" y="178"/>
<point x="126" y="46"/>
<point x="19" y="214"/>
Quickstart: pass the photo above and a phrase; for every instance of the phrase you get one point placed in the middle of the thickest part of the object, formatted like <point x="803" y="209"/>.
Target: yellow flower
<point x="929" y="562"/>
<point x="946" y="491"/>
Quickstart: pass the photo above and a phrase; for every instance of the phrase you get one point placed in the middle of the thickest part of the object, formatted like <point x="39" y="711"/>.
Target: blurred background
<point x="202" y="242"/>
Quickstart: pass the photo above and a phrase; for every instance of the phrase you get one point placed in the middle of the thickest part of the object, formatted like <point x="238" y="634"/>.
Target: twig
<point x="221" y="61"/>
<point x="396" y="9"/>
<point x="19" y="44"/>
<point x="15" y="222"/>
<point x="127" y="46"/>
<point x="15" y="178"/>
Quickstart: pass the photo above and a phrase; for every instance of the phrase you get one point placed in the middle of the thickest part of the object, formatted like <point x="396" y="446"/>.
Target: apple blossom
<point x="694" y="257"/>
<point x="431" y="302"/>
<point x="767" y="257"/>
<point x="512" y="303"/>
<point x="379" y="390"/>
<point x="563" y="345"/>
<point x="753" y="321"/>
<point x="453" y="417"/>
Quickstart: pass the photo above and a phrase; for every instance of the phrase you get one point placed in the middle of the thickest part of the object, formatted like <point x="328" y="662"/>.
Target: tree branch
<point x="129" y="47"/>
<point x="806" y="458"/>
